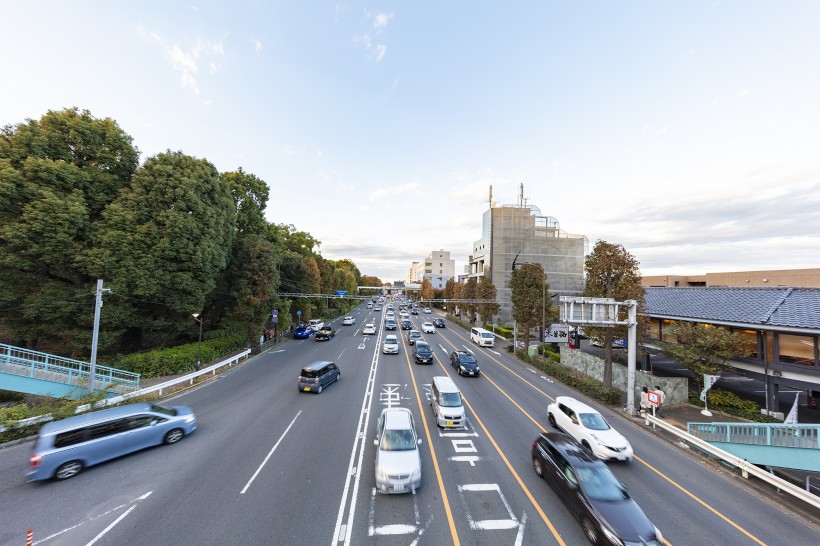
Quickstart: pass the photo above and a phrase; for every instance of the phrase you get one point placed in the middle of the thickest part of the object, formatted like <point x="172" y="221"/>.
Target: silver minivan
<point x="445" y="399"/>
<point x="64" y="448"/>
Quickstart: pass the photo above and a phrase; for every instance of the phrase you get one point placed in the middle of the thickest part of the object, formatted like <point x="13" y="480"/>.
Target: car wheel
<point x="553" y="424"/>
<point x="586" y="445"/>
<point x="338" y="376"/>
<point x="68" y="470"/>
<point x="319" y="390"/>
<point x="174" y="436"/>
<point x="536" y="465"/>
<point x="589" y="530"/>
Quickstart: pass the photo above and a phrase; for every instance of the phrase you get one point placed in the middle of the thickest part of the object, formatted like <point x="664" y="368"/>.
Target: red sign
<point x="654" y="398"/>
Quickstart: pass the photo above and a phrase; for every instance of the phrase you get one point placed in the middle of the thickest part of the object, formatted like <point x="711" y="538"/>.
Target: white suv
<point x="589" y="428"/>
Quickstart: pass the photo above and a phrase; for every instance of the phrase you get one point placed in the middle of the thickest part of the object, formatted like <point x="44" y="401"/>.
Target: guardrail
<point x="804" y="436"/>
<point x="148" y="390"/>
<point x="745" y="467"/>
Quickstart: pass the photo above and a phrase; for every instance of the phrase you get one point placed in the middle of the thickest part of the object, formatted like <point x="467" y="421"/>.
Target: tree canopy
<point x="703" y="349"/>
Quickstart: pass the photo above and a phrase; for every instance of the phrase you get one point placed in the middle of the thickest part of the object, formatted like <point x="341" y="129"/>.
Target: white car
<point x="390" y="346"/>
<point x="428" y="328"/>
<point x="427" y="311"/>
<point x="398" y="462"/>
<point x="369" y="329"/>
<point x="377" y="308"/>
<point x="589" y="428"/>
<point x="348" y="321"/>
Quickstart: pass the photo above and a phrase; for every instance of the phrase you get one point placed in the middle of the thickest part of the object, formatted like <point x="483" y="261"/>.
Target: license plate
<point x="448" y="423"/>
<point x="306" y="389"/>
<point x="398" y="488"/>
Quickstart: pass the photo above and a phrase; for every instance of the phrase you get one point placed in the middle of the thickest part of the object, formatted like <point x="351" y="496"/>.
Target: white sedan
<point x="369" y="329"/>
<point x="428" y="328"/>
<point x="589" y="428"/>
<point x="348" y="321"/>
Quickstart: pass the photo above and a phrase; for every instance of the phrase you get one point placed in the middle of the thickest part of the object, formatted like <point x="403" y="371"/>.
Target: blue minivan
<point x="64" y="448"/>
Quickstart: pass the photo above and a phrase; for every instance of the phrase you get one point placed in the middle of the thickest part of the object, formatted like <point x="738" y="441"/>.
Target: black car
<point x="390" y="324"/>
<point x="438" y="322"/>
<point x="464" y="363"/>
<point x="406" y="325"/>
<point x="414" y="311"/>
<point x="593" y="494"/>
<point x="422" y="353"/>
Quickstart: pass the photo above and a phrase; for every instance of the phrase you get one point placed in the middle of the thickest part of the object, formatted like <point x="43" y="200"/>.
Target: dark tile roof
<point x="777" y="306"/>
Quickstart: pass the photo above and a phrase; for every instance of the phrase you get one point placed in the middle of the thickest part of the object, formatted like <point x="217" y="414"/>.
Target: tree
<point x="449" y="288"/>
<point x="369" y="280"/>
<point x="458" y="292"/>
<point x="469" y="292"/>
<point x="529" y="297"/>
<point x="486" y="291"/>
<point x="427" y="289"/>
<point x="703" y="349"/>
<point x="252" y="285"/>
<point x="57" y="175"/>
<point x="612" y="272"/>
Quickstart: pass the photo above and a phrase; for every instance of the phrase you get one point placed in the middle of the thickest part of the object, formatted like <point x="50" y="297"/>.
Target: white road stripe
<point x="116" y="521"/>
<point x="258" y="470"/>
<point x="98" y="516"/>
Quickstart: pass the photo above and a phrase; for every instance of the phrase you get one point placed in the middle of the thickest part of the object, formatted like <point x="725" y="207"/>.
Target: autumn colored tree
<point x="485" y="290"/>
<point x="469" y="291"/>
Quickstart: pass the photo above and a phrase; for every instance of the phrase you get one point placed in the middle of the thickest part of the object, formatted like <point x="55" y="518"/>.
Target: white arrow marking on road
<point x="279" y="351"/>
<point x="442" y="348"/>
<point x="496" y="352"/>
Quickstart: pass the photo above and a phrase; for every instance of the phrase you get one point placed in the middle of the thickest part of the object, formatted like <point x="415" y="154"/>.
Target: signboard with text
<point x="557" y="333"/>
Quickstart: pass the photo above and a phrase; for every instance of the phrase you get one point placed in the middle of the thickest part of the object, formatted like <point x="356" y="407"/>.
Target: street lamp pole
<point x="199" y="343"/>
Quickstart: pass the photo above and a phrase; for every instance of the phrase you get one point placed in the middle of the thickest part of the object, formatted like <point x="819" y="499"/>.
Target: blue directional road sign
<point x="341" y="292"/>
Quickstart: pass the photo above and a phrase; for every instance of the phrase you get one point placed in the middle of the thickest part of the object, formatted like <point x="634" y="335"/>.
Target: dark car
<point x="438" y="322"/>
<point x="414" y="336"/>
<point x="325" y="333"/>
<point x="302" y="332"/>
<point x="593" y="494"/>
<point x="464" y="363"/>
<point x="414" y="311"/>
<point x="422" y="353"/>
<point x="318" y="375"/>
<point x="390" y="324"/>
<point x="406" y="324"/>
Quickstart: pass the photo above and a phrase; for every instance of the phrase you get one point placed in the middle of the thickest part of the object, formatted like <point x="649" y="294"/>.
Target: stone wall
<point x="675" y="388"/>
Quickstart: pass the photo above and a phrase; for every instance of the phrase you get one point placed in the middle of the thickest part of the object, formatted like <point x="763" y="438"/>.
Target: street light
<point x="199" y="343"/>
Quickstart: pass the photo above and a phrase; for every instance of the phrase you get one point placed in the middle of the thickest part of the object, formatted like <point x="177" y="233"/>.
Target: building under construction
<point x="520" y="233"/>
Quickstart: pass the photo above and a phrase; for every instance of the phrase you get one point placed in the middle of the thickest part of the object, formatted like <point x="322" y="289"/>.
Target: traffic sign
<point x="654" y="398"/>
<point x="275" y="316"/>
<point x="299" y="313"/>
<point x="341" y="292"/>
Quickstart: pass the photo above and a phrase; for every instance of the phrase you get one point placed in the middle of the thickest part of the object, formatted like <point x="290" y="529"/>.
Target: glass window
<point x="162" y="409"/>
<point x="594" y="421"/>
<point x="398" y="440"/>
<point x="140" y="421"/>
<point x="70" y="438"/>
<point x="749" y="340"/>
<point x="794" y="349"/>
<point x="600" y="483"/>
<point x="106" y="429"/>
<point x="450" y="399"/>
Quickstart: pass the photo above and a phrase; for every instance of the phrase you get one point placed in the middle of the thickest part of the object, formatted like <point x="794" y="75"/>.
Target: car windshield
<point x="422" y="348"/>
<point x="594" y="421"/>
<point x="397" y="440"/>
<point x="162" y="409"/>
<point x="466" y="359"/>
<point x="599" y="483"/>
<point x="450" y="399"/>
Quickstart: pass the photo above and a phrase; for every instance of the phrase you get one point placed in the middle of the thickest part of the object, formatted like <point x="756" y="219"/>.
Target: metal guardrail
<point x="28" y="363"/>
<point x="148" y="390"/>
<point x="745" y="467"/>
<point x="806" y="436"/>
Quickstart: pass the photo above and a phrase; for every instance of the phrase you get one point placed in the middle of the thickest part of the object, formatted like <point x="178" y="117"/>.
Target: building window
<point x="794" y="349"/>
<point x="751" y="344"/>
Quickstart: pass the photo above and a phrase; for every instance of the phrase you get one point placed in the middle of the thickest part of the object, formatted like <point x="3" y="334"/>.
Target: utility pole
<point x="96" y="334"/>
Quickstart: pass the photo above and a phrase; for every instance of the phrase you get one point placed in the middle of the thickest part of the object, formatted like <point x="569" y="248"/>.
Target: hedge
<point x="572" y="377"/>
<point x="179" y="359"/>
<point x="731" y="403"/>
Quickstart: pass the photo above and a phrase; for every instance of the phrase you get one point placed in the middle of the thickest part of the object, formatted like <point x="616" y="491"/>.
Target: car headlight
<point x="613" y="538"/>
<point x="190" y="419"/>
<point x="381" y="474"/>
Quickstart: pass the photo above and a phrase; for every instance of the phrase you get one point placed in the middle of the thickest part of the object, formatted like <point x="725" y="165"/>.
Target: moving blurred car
<point x="369" y="329"/>
<point x="348" y="321"/>
<point x="428" y="328"/>
<point x="438" y="322"/>
<point x="390" y="346"/>
<point x="589" y="428"/>
<point x="302" y="332"/>
<point x="422" y="353"/>
<point x="464" y="363"/>
<point x="398" y="462"/>
<point x="413" y="336"/>
<point x="592" y="493"/>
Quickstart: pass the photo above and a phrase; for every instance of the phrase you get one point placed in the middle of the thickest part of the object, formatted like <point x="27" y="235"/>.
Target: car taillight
<point x="35" y="461"/>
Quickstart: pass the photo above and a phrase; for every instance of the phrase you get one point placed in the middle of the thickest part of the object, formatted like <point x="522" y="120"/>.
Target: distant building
<point x="767" y="278"/>
<point x="437" y="267"/>
<point x="522" y="234"/>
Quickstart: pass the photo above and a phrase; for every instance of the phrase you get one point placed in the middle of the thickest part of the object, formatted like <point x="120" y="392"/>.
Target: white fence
<point x="148" y="390"/>
<point x="745" y="467"/>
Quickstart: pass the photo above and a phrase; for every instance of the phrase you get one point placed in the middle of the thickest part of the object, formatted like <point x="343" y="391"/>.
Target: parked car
<point x="422" y="353"/>
<point x="348" y="321"/>
<point x="398" y="461"/>
<point x="302" y="332"/>
<point x="413" y="336"/>
<point x="592" y="493"/>
<point x="369" y="329"/>
<point x="464" y="363"/>
<point x="428" y="328"/>
<point x="438" y="322"/>
<point x="316" y="376"/>
<point x="588" y="428"/>
<point x="66" y="447"/>
<point x="316" y="324"/>
<point x="325" y="333"/>
<point x="390" y="346"/>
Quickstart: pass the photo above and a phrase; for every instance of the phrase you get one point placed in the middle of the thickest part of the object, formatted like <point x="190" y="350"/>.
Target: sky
<point x="687" y="131"/>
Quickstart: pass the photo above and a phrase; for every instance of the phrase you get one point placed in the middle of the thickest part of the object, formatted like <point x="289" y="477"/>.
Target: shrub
<point x="572" y="378"/>
<point x="179" y="359"/>
<point x="729" y="402"/>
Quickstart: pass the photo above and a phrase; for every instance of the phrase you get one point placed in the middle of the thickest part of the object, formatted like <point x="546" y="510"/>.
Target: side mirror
<point x="376" y="442"/>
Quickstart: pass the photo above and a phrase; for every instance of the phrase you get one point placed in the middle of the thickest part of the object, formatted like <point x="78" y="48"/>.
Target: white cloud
<point x="257" y="45"/>
<point x="743" y="93"/>
<point x="381" y="49"/>
<point x="380" y="21"/>
<point x="381" y="193"/>
<point x="186" y="61"/>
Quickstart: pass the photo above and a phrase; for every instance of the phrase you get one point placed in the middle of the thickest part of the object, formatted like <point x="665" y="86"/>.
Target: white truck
<point x="316" y="324"/>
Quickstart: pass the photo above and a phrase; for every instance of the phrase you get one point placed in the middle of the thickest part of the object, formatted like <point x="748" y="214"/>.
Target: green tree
<point x="612" y="272"/>
<point x="164" y="243"/>
<point x="252" y="285"/>
<point x="369" y="280"/>
<point x="531" y="303"/>
<point x="703" y="349"/>
<point x="486" y="291"/>
<point x="57" y="175"/>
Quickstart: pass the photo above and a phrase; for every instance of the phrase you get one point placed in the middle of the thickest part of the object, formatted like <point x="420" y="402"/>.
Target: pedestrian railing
<point x="805" y="436"/>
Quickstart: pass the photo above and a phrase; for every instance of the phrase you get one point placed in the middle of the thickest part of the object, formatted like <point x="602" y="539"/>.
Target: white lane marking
<point x="519" y="538"/>
<point x="340" y="354"/>
<point x="258" y="470"/>
<point x="465" y="459"/>
<point x="442" y="348"/>
<point x="464" y="446"/>
<point x="489" y="524"/>
<point x="119" y="519"/>
<point x="358" y="445"/>
<point x="92" y="518"/>
<point x="496" y="352"/>
<point x="393" y="528"/>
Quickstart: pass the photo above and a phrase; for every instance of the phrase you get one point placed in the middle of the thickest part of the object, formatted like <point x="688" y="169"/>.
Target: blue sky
<point x="686" y="131"/>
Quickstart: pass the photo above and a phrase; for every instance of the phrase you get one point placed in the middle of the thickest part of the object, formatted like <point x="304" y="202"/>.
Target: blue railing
<point x="760" y="434"/>
<point x="48" y="367"/>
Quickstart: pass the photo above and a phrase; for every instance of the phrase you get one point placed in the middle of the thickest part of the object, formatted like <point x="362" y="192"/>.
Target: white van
<point x="482" y="337"/>
<point x="446" y="402"/>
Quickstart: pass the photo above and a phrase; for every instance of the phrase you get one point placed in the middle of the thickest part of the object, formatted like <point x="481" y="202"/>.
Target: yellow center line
<point x="444" y="498"/>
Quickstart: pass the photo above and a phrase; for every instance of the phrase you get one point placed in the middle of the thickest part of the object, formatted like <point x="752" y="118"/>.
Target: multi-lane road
<point x="271" y="465"/>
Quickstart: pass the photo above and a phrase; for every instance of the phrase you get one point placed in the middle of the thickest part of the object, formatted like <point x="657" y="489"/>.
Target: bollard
<point x="29" y="537"/>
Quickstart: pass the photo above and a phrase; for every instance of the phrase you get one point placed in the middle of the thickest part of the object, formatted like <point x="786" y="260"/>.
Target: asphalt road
<point x="272" y="465"/>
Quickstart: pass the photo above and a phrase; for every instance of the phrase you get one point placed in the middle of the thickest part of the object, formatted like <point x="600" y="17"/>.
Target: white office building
<point x="437" y="267"/>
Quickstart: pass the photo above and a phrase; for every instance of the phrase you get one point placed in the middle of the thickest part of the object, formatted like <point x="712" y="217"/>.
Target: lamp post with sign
<point x="199" y="343"/>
